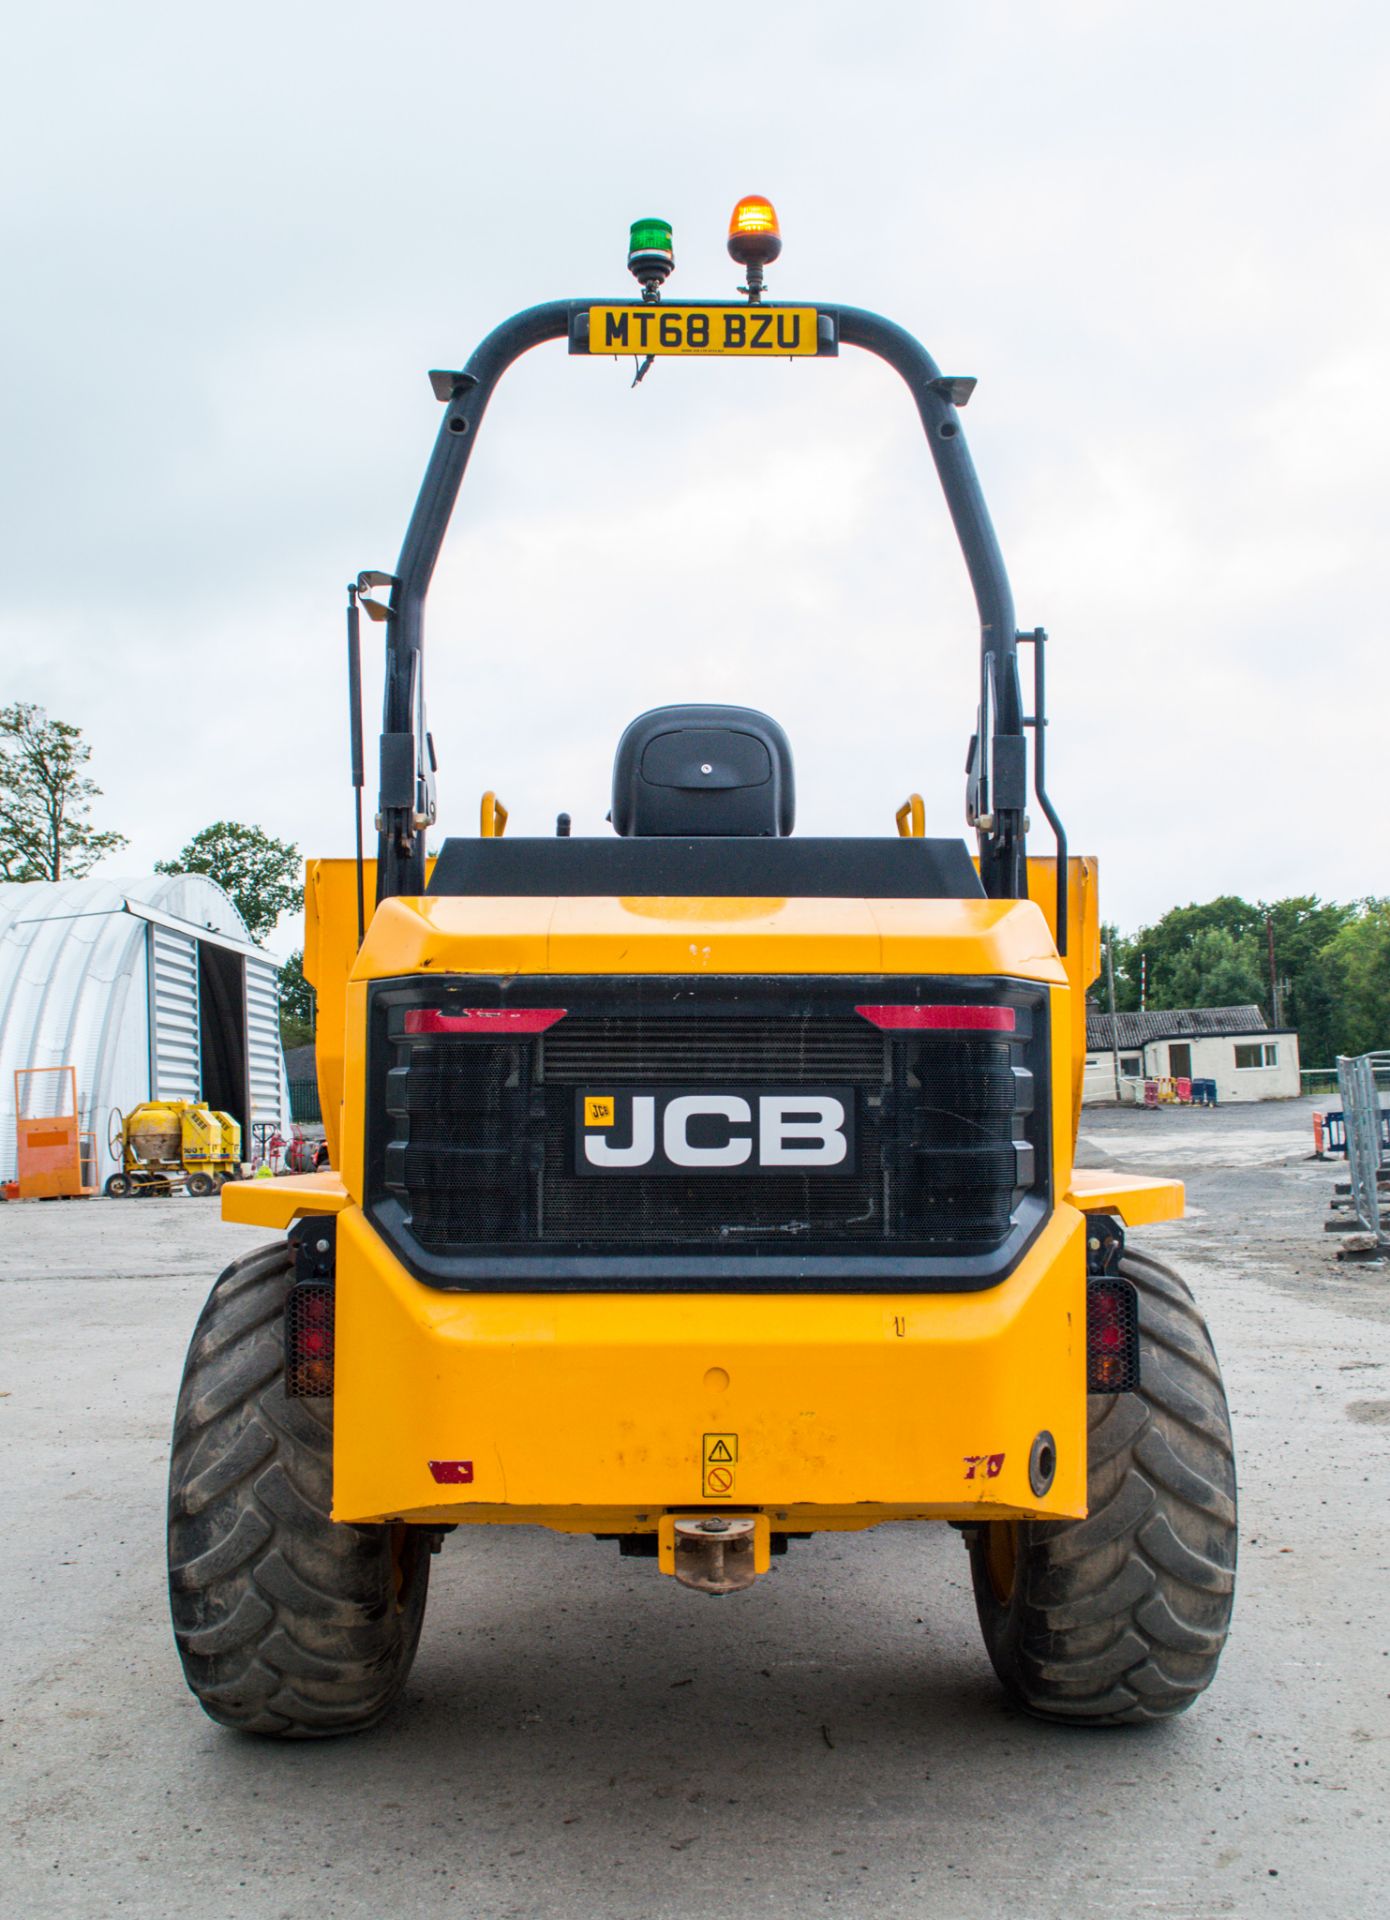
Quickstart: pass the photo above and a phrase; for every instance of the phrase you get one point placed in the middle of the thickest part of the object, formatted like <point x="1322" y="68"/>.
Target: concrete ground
<point x="583" y="1738"/>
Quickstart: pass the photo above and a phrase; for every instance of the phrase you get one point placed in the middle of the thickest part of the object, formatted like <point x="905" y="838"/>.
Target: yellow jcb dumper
<point x="700" y="1186"/>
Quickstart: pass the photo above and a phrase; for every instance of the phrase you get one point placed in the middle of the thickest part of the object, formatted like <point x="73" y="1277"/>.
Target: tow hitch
<point x="715" y="1552"/>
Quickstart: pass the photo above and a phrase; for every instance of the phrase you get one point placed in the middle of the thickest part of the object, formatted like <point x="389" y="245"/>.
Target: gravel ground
<point x="582" y="1738"/>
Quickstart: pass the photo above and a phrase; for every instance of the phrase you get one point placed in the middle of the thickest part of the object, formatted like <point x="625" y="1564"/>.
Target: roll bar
<point x="996" y="770"/>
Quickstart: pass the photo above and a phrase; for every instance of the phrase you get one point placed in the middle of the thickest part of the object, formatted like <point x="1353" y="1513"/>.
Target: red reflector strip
<point x="497" y="1021"/>
<point x="941" y="1019"/>
<point x="452" y="1473"/>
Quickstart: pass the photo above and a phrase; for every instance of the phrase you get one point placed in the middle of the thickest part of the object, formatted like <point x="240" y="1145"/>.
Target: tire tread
<point x="1121" y="1617"/>
<point x="286" y="1621"/>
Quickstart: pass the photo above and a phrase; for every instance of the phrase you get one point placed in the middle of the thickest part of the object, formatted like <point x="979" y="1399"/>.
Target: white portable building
<point x="1231" y="1046"/>
<point x="151" y="989"/>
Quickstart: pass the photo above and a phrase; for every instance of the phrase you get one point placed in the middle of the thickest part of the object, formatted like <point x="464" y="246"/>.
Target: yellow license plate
<point x="765" y="332"/>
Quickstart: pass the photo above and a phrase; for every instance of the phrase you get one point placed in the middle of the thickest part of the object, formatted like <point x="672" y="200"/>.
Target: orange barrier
<point x="55" y="1159"/>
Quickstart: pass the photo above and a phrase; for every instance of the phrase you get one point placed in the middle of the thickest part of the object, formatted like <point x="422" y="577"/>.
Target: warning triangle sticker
<point x="720" y="1451"/>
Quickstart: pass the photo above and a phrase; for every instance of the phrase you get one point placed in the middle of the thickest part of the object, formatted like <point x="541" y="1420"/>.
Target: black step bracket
<point x="315" y="1243"/>
<point x="1105" y="1243"/>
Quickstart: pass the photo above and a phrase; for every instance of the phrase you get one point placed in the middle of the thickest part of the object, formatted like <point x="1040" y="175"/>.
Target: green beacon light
<point x="650" y="255"/>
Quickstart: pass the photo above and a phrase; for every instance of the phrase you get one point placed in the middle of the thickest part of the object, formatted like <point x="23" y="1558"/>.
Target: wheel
<point x="117" y="1186"/>
<point x="1122" y="1616"/>
<point x="287" y="1623"/>
<point x="200" y="1185"/>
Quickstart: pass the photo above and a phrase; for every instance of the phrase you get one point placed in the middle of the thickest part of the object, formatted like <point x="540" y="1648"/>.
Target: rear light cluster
<point x="309" y="1340"/>
<point x="1112" y="1336"/>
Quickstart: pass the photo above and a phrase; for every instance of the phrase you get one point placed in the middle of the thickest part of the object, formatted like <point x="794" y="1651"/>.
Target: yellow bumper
<point x="597" y="1413"/>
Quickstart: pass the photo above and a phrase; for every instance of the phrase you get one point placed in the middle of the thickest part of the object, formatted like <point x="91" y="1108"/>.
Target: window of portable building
<point x="1263" y="1053"/>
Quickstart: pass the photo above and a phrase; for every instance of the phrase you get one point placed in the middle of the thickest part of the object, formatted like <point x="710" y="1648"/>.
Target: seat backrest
<point x="703" y="771"/>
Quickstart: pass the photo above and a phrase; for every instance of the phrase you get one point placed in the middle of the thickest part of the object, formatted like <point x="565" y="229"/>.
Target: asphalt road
<point x="583" y="1738"/>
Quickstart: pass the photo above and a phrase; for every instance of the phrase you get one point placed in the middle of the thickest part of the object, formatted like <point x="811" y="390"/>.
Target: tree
<point x="297" y="1010"/>
<point x="1217" y="954"/>
<point x="1165" y="945"/>
<point x="262" y="874"/>
<point x="1215" y="969"/>
<point x="1303" y="926"/>
<point x="1125" y="954"/>
<point x="1357" y="965"/>
<point x="45" y="799"/>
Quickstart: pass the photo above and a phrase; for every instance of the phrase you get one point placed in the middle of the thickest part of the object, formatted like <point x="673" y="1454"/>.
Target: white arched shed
<point x="150" y="989"/>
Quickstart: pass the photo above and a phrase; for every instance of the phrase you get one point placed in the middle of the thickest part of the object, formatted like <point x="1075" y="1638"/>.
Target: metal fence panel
<point x="304" y="1102"/>
<point x="1361" y="1106"/>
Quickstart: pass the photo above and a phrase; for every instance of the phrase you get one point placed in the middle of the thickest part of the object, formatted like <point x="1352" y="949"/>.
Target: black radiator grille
<point x="712" y="1049"/>
<point x="472" y="1138"/>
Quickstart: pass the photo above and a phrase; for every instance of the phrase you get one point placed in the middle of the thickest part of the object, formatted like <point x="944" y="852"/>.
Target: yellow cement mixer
<point x="163" y="1145"/>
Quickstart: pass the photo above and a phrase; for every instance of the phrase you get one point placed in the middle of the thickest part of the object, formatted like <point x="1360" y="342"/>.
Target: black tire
<point x="200" y="1185"/>
<point x="117" y="1186"/>
<point x="1121" y="1617"/>
<point x="287" y="1623"/>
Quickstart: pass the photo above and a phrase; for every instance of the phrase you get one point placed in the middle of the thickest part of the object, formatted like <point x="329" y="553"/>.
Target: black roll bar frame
<point x="996" y="768"/>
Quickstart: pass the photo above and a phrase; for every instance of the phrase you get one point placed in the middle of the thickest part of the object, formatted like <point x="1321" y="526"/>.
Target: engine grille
<point x="471" y="1138"/>
<point x="713" y="1049"/>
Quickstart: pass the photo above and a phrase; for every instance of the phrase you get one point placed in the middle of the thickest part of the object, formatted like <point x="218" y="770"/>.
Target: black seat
<point x="703" y="771"/>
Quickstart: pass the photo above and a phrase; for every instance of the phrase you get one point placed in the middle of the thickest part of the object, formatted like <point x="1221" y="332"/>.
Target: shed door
<point x="1180" y="1062"/>
<point x="265" y="1070"/>
<point x="174" y="1038"/>
<point x="222" y="982"/>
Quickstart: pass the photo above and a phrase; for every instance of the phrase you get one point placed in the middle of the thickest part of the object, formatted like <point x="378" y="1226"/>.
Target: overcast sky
<point x="237" y="238"/>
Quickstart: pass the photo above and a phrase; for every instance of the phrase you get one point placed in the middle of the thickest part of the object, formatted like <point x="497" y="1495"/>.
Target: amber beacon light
<point x="755" y="239"/>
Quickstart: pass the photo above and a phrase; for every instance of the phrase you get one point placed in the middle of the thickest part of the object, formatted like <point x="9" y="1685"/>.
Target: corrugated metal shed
<point x="149" y="987"/>
<point x="1180" y="1023"/>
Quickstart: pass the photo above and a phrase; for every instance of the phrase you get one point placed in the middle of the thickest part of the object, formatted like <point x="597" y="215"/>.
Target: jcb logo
<point x="668" y="1130"/>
